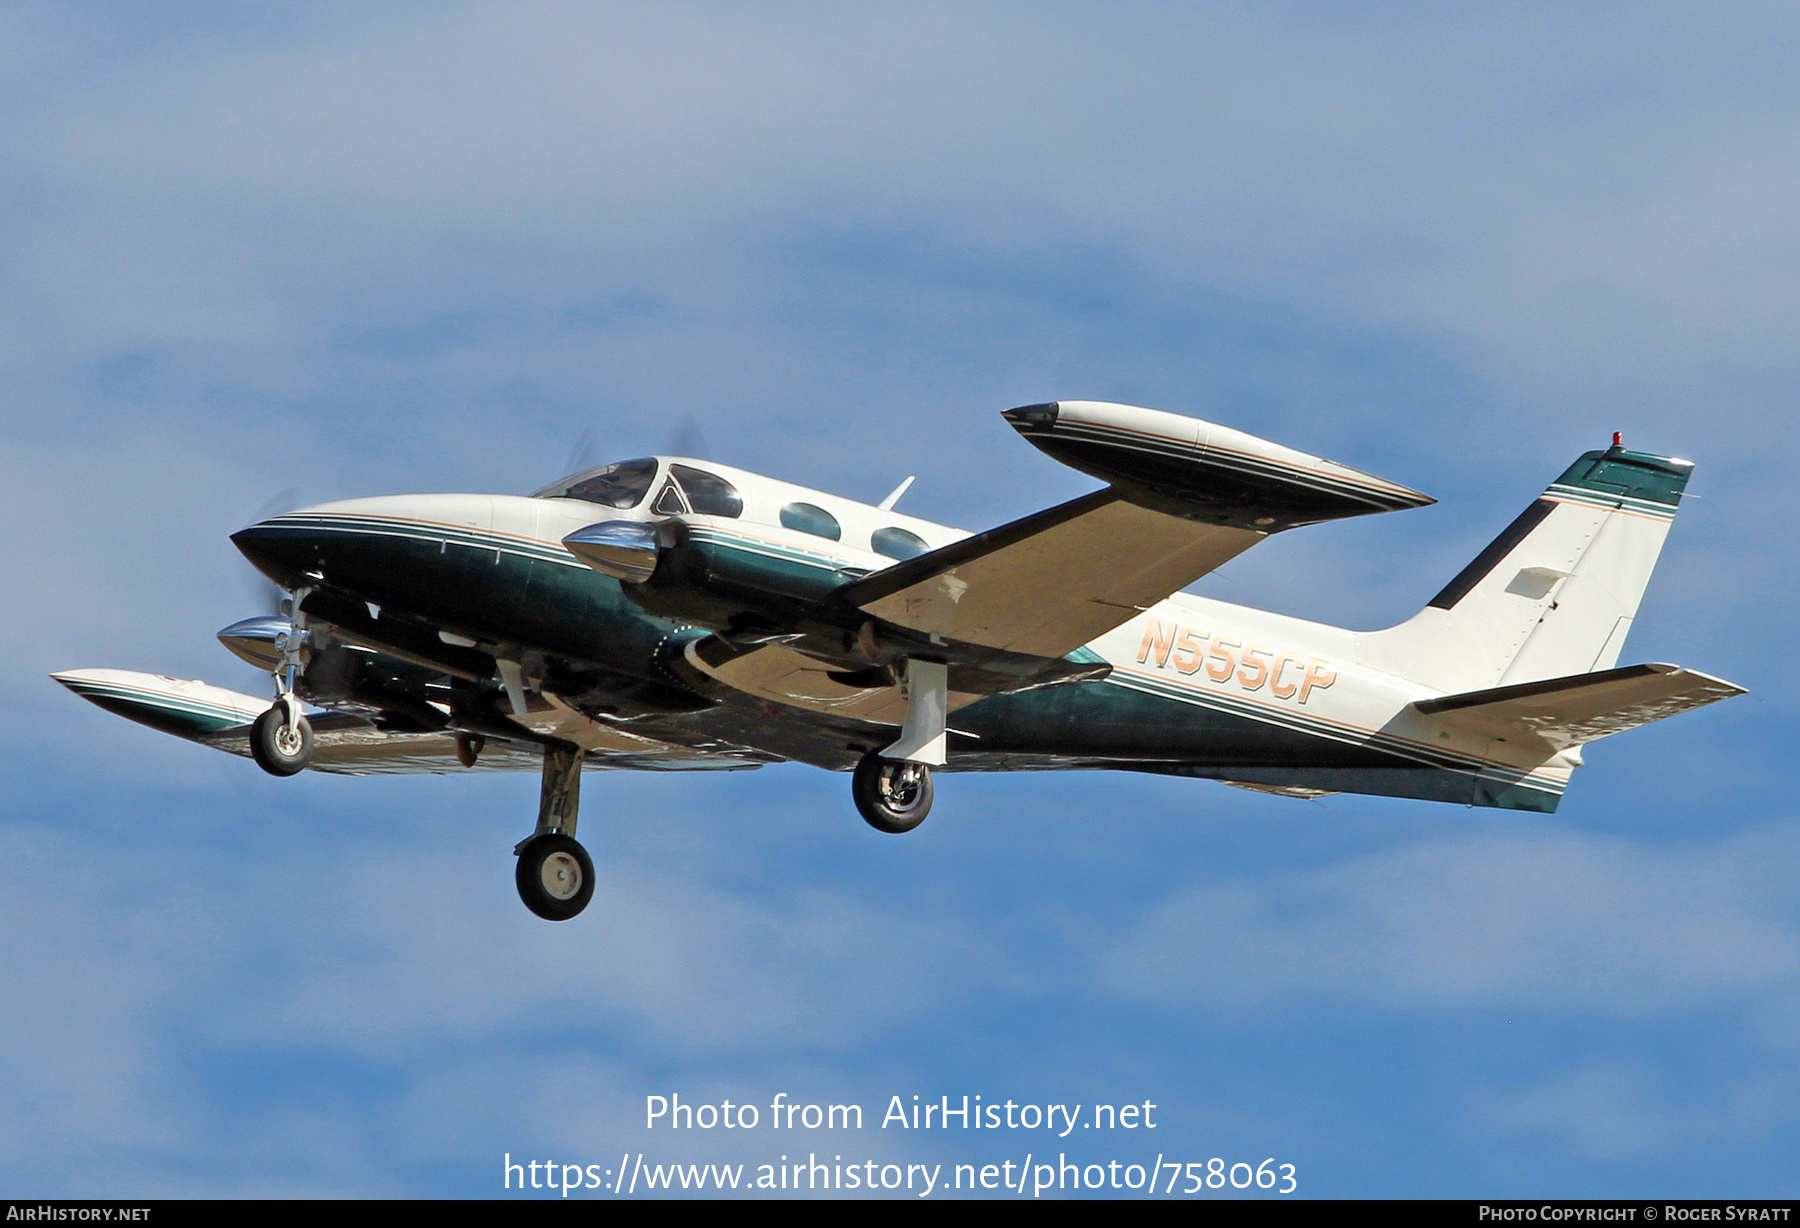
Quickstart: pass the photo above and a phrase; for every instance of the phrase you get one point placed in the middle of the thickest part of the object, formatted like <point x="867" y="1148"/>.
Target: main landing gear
<point x="555" y="876"/>
<point x="893" y="796"/>
<point x="892" y="786"/>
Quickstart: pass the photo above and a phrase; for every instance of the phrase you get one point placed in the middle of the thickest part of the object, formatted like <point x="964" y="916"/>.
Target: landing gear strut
<point x="281" y="740"/>
<point x="892" y="796"/>
<point x="892" y="786"/>
<point x="555" y="876"/>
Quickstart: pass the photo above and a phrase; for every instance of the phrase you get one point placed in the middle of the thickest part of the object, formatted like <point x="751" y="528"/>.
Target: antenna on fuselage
<point x="887" y="504"/>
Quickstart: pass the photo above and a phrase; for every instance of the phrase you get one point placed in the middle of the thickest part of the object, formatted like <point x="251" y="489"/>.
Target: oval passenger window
<point x="805" y="518"/>
<point x="897" y="543"/>
<point x="710" y="494"/>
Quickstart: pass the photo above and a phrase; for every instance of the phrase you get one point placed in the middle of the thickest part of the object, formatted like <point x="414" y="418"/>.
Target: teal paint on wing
<point x="184" y="718"/>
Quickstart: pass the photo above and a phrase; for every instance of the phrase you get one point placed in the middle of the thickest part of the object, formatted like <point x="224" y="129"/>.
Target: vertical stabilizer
<point x="1555" y="593"/>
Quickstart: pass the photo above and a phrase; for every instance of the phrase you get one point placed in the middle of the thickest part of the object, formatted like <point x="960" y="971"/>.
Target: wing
<point x="1049" y="583"/>
<point x="1186" y="496"/>
<point x="349" y="745"/>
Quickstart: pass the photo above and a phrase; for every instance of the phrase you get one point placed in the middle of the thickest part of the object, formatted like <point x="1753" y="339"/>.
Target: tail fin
<point x="1555" y="593"/>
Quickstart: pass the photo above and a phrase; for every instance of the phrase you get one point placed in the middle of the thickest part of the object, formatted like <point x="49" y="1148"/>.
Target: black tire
<point x="892" y="796"/>
<point x="276" y="751"/>
<point x="547" y="863"/>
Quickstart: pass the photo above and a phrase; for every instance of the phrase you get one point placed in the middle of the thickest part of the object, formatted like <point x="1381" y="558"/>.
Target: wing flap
<point x="1582" y="708"/>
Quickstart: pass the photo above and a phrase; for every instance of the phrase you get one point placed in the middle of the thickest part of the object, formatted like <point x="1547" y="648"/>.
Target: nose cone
<point x="359" y="542"/>
<point x="284" y="549"/>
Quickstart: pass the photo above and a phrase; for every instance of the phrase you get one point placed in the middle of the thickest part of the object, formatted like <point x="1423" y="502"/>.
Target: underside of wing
<point x="345" y="744"/>
<point x="778" y="674"/>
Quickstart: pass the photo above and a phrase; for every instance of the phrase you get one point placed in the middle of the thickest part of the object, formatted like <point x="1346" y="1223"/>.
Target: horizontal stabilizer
<point x="1583" y="707"/>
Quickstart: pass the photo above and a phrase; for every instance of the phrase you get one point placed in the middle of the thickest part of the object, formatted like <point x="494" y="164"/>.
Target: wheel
<point x="555" y="876"/>
<point x="278" y="750"/>
<point x="893" y="797"/>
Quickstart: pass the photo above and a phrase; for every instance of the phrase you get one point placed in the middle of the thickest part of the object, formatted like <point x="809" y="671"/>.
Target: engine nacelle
<point x="1204" y="471"/>
<point x="340" y="675"/>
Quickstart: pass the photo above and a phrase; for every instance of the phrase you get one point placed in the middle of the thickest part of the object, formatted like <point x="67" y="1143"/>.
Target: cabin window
<point x="618" y="485"/>
<point x="710" y="494"/>
<point x="897" y="543"/>
<point x="668" y="500"/>
<point x="805" y="518"/>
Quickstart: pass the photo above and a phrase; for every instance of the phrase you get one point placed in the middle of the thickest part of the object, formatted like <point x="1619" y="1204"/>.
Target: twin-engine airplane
<point x="670" y="614"/>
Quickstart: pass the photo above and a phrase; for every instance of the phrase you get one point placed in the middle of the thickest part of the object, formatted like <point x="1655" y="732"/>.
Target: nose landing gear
<point x="555" y="876"/>
<point x="281" y="739"/>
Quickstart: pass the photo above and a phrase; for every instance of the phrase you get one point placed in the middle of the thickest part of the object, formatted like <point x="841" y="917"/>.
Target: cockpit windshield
<point x="620" y="485"/>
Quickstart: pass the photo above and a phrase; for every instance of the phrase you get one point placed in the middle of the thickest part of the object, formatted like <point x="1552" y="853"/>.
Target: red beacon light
<point x="1618" y="439"/>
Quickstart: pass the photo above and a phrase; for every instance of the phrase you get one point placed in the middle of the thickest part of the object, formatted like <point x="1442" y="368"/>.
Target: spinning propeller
<point x="258" y="639"/>
<point x="588" y="452"/>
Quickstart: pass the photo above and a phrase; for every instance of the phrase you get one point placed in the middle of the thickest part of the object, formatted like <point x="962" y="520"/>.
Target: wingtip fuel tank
<point x="1204" y="471"/>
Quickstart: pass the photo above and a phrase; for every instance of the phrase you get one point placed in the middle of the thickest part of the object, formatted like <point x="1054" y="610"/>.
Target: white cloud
<point x="140" y="974"/>
<point x="1603" y="1111"/>
<point x="1468" y="183"/>
<point x="1615" y="1109"/>
<point x="1542" y="924"/>
<point x="679" y="962"/>
<point x="81" y="974"/>
<point x="1539" y="927"/>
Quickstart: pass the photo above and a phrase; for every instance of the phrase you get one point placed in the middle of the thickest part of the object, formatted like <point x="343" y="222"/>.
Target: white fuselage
<point x="1301" y="676"/>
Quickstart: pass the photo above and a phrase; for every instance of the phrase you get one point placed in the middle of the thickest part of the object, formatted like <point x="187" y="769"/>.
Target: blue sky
<point x="366" y="249"/>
